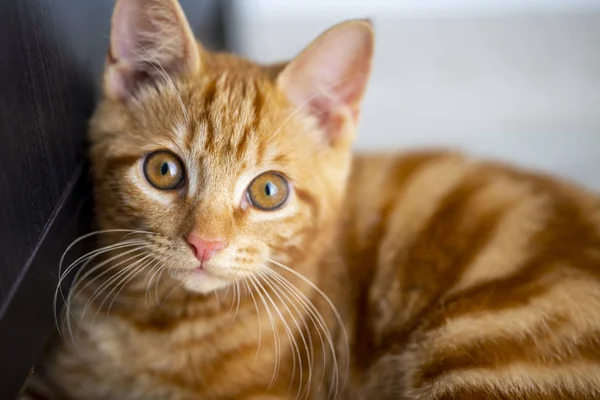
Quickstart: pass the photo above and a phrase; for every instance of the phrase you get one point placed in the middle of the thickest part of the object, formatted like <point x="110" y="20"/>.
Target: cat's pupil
<point x="270" y="189"/>
<point x="164" y="169"/>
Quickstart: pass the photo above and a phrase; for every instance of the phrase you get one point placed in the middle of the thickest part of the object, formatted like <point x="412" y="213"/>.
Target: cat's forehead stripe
<point x="228" y="120"/>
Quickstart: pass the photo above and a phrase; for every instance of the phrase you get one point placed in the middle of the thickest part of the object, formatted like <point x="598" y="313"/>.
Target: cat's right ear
<point x="150" y="40"/>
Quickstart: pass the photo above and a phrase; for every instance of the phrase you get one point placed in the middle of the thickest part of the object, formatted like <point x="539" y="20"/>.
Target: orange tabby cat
<point x="247" y="254"/>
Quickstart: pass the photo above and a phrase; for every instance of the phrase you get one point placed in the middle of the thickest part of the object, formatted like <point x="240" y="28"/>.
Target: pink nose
<point x="204" y="249"/>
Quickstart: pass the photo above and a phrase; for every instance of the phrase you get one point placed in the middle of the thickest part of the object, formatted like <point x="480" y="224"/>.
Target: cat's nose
<point x="204" y="249"/>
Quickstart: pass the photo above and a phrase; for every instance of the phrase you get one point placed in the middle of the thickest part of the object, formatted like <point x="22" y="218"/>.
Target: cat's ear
<point x="330" y="76"/>
<point x="150" y="40"/>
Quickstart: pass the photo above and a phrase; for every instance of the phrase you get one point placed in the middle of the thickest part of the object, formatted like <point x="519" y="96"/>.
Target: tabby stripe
<point x="364" y="243"/>
<point x="559" y="239"/>
<point x="437" y="258"/>
<point x="550" y="245"/>
<point x="210" y="96"/>
<point x="121" y="162"/>
<point x="491" y="353"/>
<point x="522" y="382"/>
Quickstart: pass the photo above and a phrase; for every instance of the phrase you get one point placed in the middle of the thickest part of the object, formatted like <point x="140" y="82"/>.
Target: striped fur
<point x="478" y="281"/>
<point x="454" y="278"/>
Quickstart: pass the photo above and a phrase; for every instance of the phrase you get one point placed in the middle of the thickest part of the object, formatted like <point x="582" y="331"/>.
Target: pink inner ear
<point x="149" y="38"/>
<point x="122" y="79"/>
<point x="330" y="76"/>
<point x="127" y="30"/>
<point x="320" y="107"/>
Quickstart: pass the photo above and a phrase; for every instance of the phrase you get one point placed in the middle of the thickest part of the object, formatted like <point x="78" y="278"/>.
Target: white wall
<point x="301" y="8"/>
<point x="512" y="79"/>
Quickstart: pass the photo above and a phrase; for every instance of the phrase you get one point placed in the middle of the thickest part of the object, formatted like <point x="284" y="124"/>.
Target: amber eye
<point x="268" y="191"/>
<point x="163" y="170"/>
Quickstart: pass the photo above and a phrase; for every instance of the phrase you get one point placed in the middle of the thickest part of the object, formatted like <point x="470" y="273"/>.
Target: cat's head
<point x="229" y="162"/>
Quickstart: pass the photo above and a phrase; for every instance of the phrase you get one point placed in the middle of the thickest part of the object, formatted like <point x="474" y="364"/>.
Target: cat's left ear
<point x="150" y="40"/>
<point x="330" y="76"/>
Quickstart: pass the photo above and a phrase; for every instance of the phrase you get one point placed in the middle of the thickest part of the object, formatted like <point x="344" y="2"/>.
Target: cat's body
<point x="453" y="278"/>
<point x="459" y="279"/>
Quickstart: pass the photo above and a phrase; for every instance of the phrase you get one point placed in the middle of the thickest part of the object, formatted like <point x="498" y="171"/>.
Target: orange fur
<point x="453" y="278"/>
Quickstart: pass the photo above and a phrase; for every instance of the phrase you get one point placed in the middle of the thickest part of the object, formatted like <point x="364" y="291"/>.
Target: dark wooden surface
<point x="51" y="59"/>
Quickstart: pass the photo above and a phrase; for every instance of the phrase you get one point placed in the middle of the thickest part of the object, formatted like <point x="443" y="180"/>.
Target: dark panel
<point x="29" y="320"/>
<point x="44" y="103"/>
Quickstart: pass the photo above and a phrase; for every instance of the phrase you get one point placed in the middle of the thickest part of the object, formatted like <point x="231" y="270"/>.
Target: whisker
<point x="177" y="285"/>
<point x="216" y="293"/>
<point x="83" y="280"/>
<point x="73" y="244"/>
<point x="234" y="294"/>
<point x="273" y="285"/>
<point x="258" y="317"/>
<point x="125" y="277"/>
<point x="130" y="277"/>
<point x="331" y="305"/>
<point x="106" y="284"/>
<point x="315" y="317"/>
<point x="158" y="278"/>
<point x="239" y="295"/>
<point x="275" y="332"/>
<point x="93" y="253"/>
<point x="293" y="345"/>
<point x="86" y="259"/>
<point x="159" y="270"/>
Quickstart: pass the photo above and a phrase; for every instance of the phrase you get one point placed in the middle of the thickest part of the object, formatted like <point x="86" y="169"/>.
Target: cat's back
<point x="420" y="183"/>
<point x="485" y="276"/>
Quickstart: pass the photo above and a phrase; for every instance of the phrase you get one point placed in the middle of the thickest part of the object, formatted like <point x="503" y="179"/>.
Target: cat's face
<point x="230" y="164"/>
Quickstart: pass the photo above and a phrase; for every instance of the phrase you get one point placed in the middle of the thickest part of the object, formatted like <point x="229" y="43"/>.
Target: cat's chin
<point x="201" y="281"/>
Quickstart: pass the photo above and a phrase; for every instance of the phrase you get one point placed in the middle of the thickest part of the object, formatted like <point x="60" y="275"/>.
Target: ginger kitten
<point x="247" y="254"/>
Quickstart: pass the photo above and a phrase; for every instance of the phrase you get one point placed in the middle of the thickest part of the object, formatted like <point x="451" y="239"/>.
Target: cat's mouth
<point x="202" y="272"/>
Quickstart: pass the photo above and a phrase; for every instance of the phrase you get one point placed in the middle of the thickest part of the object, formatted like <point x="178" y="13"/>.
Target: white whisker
<point x="275" y="332"/>
<point x="157" y="262"/>
<point x="124" y="273"/>
<point x="317" y="320"/>
<point x="88" y="256"/>
<point x="258" y="316"/>
<point x="335" y="311"/>
<point x="123" y="284"/>
<point x="86" y="259"/>
<point x="273" y="285"/>
<point x="296" y="356"/>
<point x="233" y="297"/>
<point x="239" y="295"/>
<point x="314" y="316"/>
<point x="77" y="289"/>
<point x="176" y="285"/>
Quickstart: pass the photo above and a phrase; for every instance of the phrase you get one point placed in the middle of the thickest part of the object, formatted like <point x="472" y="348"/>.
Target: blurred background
<point x="517" y="80"/>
